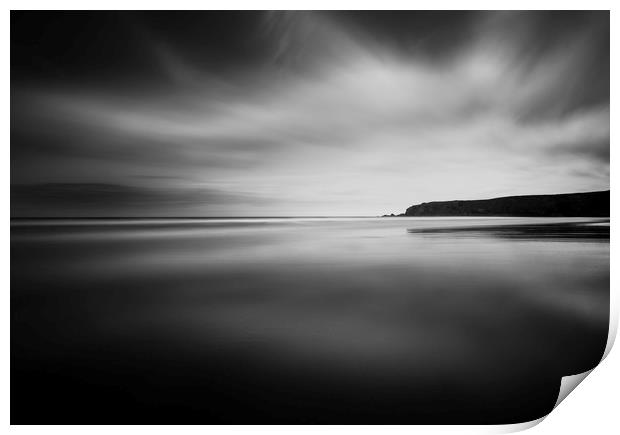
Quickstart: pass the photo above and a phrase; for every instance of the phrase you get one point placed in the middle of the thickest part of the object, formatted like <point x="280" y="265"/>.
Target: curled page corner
<point x="568" y="384"/>
<point x="518" y="427"/>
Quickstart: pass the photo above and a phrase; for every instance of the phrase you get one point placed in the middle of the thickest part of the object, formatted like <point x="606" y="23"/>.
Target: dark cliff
<point x="591" y="204"/>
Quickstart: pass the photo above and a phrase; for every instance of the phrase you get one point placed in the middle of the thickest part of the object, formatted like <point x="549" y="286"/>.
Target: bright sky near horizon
<point x="302" y="113"/>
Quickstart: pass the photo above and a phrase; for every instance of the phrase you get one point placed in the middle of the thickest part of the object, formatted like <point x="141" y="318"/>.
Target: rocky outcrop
<point x="591" y="204"/>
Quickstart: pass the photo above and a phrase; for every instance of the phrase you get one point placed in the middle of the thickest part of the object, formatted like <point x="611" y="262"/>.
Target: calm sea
<point x="303" y="320"/>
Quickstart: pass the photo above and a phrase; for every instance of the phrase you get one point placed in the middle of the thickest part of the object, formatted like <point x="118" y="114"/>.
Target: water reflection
<point x="590" y="229"/>
<point x="413" y="320"/>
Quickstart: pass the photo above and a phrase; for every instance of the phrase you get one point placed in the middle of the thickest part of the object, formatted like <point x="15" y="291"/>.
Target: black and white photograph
<point x="306" y="217"/>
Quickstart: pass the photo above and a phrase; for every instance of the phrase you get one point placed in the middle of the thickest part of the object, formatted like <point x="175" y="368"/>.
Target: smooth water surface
<point x="301" y="320"/>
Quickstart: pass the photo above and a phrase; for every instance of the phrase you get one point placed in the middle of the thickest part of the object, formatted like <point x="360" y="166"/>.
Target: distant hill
<point x="591" y="204"/>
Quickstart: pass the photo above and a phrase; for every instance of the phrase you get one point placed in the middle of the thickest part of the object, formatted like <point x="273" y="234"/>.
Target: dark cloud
<point x="98" y="199"/>
<point x="598" y="150"/>
<point x="126" y="46"/>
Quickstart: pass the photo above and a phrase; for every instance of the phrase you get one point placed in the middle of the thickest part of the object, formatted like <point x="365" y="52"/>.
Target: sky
<point x="207" y="113"/>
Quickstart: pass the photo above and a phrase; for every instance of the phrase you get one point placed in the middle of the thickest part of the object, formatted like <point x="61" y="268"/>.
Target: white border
<point x="593" y="408"/>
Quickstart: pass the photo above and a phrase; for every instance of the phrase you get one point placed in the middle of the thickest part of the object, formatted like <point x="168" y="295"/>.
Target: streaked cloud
<point x="338" y="120"/>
